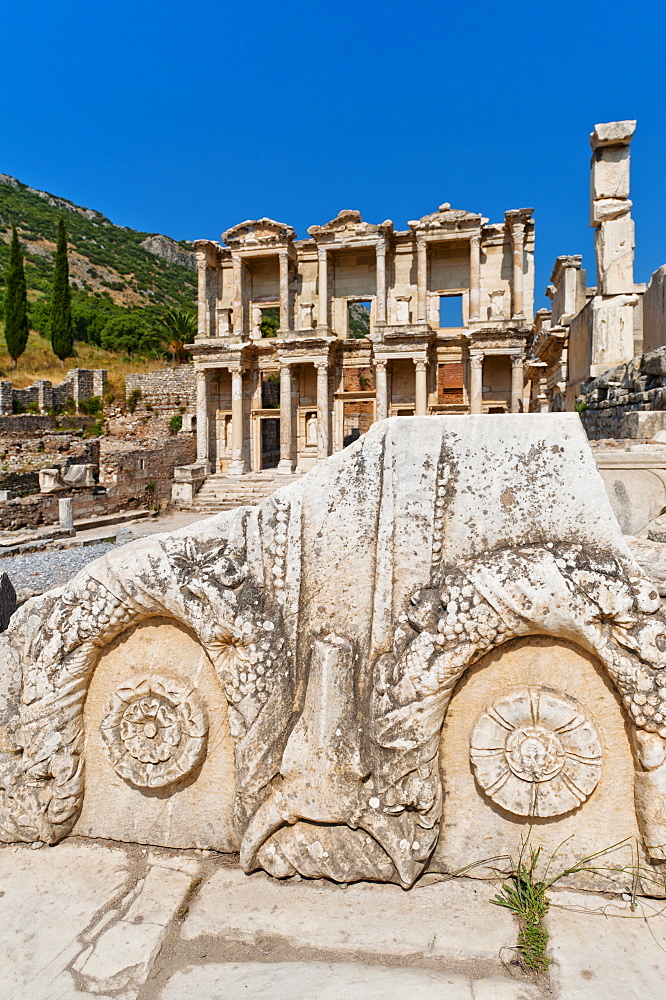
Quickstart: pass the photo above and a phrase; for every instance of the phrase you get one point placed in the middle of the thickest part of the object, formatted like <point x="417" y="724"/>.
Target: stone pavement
<point x="105" y="920"/>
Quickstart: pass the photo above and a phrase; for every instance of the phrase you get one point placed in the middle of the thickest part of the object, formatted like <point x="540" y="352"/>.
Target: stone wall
<point x="166" y="389"/>
<point x="79" y="384"/>
<point x="628" y="401"/>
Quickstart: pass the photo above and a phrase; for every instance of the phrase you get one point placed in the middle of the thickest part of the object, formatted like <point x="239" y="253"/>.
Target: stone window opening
<point x="358" y="318"/>
<point x="270" y="321"/>
<point x="451" y="311"/>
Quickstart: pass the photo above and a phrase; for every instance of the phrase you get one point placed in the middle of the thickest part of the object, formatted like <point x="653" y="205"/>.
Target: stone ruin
<point x="432" y="643"/>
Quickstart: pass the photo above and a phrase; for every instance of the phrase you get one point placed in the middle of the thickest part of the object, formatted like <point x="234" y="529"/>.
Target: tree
<point x="179" y="327"/>
<point x="62" y="330"/>
<point x="129" y="334"/>
<point x="16" y="302"/>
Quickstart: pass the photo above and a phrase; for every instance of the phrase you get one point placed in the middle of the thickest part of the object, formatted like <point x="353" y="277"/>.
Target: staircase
<point x="221" y="492"/>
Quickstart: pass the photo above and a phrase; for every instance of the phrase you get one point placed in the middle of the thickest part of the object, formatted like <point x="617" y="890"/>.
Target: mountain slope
<point x="106" y="261"/>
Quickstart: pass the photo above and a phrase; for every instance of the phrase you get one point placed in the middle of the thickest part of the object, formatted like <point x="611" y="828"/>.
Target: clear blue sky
<point x="187" y="118"/>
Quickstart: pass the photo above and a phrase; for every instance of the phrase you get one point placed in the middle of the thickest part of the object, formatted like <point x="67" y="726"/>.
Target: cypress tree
<point x="16" y="301"/>
<point x="62" y="330"/>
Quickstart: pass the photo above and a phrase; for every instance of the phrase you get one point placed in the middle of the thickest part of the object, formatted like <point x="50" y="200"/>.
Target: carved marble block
<point x="440" y="625"/>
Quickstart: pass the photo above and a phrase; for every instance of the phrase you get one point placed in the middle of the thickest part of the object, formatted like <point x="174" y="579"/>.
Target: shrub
<point x="92" y="407"/>
<point x="133" y="398"/>
<point x="33" y="407"/>
<point x="175" y="423"/>
<point x="17" y="405"/>
<point x="151" y="486"/>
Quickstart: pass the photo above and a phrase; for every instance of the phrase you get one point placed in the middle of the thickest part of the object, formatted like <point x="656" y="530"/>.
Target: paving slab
<point x="602" y="950"/>
<point x="452" y="919"/>
<point x="333" y="981"/>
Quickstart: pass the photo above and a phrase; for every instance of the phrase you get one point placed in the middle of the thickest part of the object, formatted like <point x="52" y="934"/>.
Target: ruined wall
<point x="79" y="384"/>
<point x="628" y="401"/>
<point x="166" y="389"/>
<point x="654" y="311"/>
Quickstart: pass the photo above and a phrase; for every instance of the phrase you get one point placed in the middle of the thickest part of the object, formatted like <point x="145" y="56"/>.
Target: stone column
<point x="66" y="513"/>
<point x="476" y="383"/>
<point x="239" y="298"/>
<point x="202" y="415"/>
<point x="285" y="467"/>
<point x="474" y="278"/>
<point x="421" y="389"/>
<point x="322" y="257"/>
<point x="518" y="240"/>
<point x="322" y="410"/>
<point x="381" y="390"/>
<point x="517" y="383"/>
<point x="380" y="251"/>
<point x="285" y="312"/>
<point x="237" y="464"/>
<point x="421" y="280"/>
<point x="202" y="295"/>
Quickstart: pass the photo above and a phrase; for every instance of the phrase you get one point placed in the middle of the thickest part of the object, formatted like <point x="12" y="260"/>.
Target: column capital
<point x="518" y="232"/>
<point x="420" y="242"/>
<point x="283" y="256"/>
<point x="517" y="360"/>
<point x="420" y="364"/>
<point x="321" y="364"/>
<point x="381" y="243"/>
<point x="475" y="241"/>
<point x="322" y="253"/>
<point x="476" y="360"/>
<point x="380" y="363"/>
<point x="236" y="369"/>
<point x="202" y="374"/>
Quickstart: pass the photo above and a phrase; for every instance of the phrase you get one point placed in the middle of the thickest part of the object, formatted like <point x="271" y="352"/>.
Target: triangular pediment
<point x="259" y="232"/>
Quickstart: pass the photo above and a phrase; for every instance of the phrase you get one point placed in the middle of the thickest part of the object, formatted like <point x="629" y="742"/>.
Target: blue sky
<point x="187" y="118"/>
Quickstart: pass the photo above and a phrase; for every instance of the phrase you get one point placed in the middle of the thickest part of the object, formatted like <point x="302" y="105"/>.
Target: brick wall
<point x="450" y="382"/>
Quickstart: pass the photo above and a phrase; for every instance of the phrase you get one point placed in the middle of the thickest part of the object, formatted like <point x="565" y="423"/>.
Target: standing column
<point x="239" y="298"/>
<point x="474" y="278"/>
<point x="285" y="467"/>
<point x="322" y="410"/>
<point x="202" y="295"/>
<point x="237" y="465"/>
<point x="518" y="238"/>
<point x="322" y="258"/>
<point x="285" y="317"/>
<point x="202" y="415"/>
<point x="421" y="280"/>
<point x="380" y="251"/>
<point x="421" y="389"/>
<point x="476" y="383"/>
<point x="517" y="383"/>
<point x="381" y="390"/>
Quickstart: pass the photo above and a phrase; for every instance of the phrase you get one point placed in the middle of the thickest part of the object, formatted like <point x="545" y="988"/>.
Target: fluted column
<point x="421" y="389"/>
<point x="322" y="410"/>
<point x="239" y="298"/>
<point x="285" y="467"/>
<point x="237" y="465"/>
<point x="202" y="295"/>
<point x="421" y="280"/>
<point x="322" y="258"/>
<point x="518" y="240"/>
<point x="285" y="312"/>
<point x="381" y="390"/>
<point x="474" y="278"/>
<point x="380" y="251"/>
<point x="476" y="383"/>
<point x="517" y="383"/>
<point x="202" y="415"/>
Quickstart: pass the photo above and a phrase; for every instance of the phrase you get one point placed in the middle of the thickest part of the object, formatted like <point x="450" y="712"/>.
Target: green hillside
<point x="108" y="265"/>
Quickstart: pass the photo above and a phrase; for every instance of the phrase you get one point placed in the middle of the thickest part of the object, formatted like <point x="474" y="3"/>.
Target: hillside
<point x="109" y="263"/>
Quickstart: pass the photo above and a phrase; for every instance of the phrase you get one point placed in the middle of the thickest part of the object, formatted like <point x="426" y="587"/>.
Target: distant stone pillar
<point x="474" y="278"/>
<point x="518" y="241"/>
<point x="380" y="251"/>
<point x="610" y="209"/>
<point x="66" y="513"/>
<point x="237" y="464"/>
<point x="517" y="383"/>
<point x="322" y="258"/>
<point x="421" y="389"/>
<point x="285" y="311"/>
<point x="202" y="295"/>
<point x="285" y="466"/>
<point x="239" y="296"/>
<point x="322" y="410"/>
<point x="476" y="383"/>
<point x="421" y="280"/>
<point x="202" y="415"/>
<point x="381" y="390"/>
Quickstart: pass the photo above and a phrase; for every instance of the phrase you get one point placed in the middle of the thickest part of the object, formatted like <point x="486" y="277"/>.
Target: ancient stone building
<point x="303" y="343"/>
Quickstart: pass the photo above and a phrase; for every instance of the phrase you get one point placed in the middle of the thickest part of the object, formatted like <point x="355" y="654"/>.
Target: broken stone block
<point x="323" y="667"/>
<point x="612" y="134"/>
<point x="610" y="173"/>
<point x="614" y="243"/>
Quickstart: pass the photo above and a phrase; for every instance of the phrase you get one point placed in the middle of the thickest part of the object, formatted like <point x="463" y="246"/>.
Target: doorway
<point x="270" y="442"/>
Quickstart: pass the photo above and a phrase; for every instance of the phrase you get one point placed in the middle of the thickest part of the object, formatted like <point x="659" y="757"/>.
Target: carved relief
<point x="154" y="731"/>
<point x="535" y="754"/>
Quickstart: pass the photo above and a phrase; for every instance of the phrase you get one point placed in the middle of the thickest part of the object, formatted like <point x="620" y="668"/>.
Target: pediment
<point x="349" y="223"/>
<point x="448" y="218"/>
<point x="259" y="232"/>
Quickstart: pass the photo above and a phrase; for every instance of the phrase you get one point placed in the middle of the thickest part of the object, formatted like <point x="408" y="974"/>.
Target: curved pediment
<point x="259" y="232"/>
<point x="349" y="223"/>
<point x="448" y="218"/>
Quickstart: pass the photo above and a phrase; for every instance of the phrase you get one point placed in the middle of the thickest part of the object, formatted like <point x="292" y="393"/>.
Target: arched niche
<point x="474" y="827"/>
<point x="193" y="811"/>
